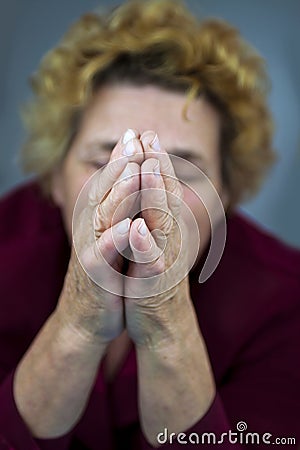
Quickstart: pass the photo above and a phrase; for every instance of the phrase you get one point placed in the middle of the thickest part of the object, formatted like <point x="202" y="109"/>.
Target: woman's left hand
<point x="176" y="385"/>
<point x="156" y="290"/>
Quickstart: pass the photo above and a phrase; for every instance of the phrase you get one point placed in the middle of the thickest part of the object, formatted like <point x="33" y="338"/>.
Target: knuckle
<point x="100" y="222"/>
<point x="166" y="223"/>
<point x="93" y="195"/>
<point x="176" y="188"/>
<point x="114" y="198"/>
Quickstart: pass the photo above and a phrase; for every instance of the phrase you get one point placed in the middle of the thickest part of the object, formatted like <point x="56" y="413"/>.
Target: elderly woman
<point x="107" y="338"/>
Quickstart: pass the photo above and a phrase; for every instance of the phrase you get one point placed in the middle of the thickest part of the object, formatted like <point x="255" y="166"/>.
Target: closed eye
<point x="189" y="172"/>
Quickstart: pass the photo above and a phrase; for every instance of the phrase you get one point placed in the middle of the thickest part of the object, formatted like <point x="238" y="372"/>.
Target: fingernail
<point x="129" y="148"/>
<point x="156" y="169"/>
<point x="123" y="227"/>
<point x="142" y="229"/>
<point x="155" y="145"/>
<point x="128" y="135"/>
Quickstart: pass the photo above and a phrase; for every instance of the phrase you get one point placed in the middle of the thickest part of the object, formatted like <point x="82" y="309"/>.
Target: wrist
<point x="160" y="323"/>
<point x="176" y="385"/>
<point x="80" y="330"/>
<point x="85" y="310"/>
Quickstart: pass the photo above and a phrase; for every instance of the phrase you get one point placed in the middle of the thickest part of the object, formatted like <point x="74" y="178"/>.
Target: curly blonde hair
<point x="158" y="42"/>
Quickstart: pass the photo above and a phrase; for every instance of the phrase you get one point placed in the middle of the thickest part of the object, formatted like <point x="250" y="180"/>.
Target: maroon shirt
<point x="248" y="311"/>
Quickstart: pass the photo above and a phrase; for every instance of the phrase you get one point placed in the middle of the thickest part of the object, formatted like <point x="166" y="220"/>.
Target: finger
<point x="154" y="202"/>
<point x="111" y="242"/>
<point x="153" y="149"/>
<point x="127" y="149"/>
<point x="121" y="201"/>
<point x="147" y="256"/>
<point x="114" y="240"/>
<point x="103" y="254"/>
<point x="101" y="258"/>
<point x="128" y="146"/>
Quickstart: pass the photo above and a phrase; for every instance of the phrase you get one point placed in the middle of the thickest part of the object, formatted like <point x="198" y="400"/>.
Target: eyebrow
<point x="186" y="153"/>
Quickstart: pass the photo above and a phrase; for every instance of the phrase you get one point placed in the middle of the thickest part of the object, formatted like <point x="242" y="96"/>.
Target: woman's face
<point x="115" y="109"/>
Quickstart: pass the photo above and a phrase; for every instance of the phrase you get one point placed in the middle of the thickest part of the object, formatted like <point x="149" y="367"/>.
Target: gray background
<point x="28" y="28"/>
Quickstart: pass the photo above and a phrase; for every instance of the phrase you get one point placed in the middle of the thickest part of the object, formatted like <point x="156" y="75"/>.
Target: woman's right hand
<point x="88" y="307"/>
<point x="87" y="316"/>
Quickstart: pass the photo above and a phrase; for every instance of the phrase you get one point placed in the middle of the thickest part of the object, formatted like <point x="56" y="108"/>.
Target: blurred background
<point x="29" y="28"/>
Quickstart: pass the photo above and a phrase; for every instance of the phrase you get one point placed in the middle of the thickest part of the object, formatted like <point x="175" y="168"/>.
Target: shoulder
<point x="259" y="249"/>
<point x="262" y="271"/>
<point x="257" y="282"/>
<point x="32" y="236"/>
<point x="25" y="212"/>
<point x="252" y="300"/>
<point x="33" y="262"/>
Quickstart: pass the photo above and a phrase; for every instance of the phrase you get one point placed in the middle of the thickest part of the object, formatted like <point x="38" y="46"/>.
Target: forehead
<point x="115" y="108"/>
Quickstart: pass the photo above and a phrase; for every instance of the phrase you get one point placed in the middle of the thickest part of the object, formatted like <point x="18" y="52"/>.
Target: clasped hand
<point x="149" y="299"/>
